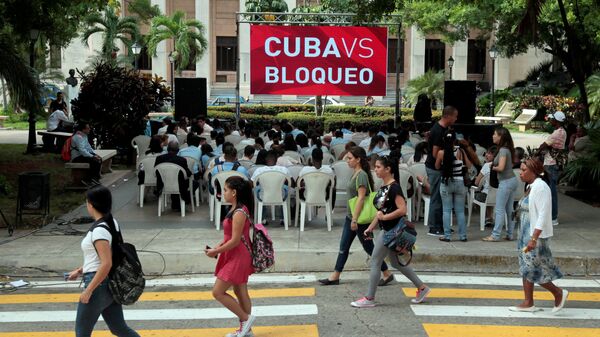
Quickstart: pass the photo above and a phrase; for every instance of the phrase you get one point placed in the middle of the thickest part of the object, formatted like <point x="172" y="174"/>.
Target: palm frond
<point x="20" y="80"/>
<point x="592" y="87"/>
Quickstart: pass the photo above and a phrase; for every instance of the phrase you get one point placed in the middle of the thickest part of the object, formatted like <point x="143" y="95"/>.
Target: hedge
<point x="274" y="109"/>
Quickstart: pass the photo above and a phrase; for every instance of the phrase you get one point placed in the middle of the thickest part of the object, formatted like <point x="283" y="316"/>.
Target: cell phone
<point x="369" y="235"/>
<point x="208" y="247"/>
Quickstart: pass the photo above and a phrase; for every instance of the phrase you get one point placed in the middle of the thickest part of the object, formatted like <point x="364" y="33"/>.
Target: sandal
<point x="490" y="239"/>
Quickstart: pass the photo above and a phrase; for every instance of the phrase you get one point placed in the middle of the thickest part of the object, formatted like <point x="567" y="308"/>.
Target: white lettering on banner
<point x="311" y="48"/>
<point x="349" y="53"/>
<point x="286" y="47"/>
<point x="268" y="47"/>
<point x="319" y="75"/>
<point x="331" y="48"/>
<point x="360" y="43"/>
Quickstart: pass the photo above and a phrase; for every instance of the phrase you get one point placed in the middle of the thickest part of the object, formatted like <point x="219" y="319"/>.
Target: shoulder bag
<point x="368" y="212"/>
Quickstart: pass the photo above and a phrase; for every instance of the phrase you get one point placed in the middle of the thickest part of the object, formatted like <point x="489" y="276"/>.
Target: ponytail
<point x="243" y="190"/>
<point x="361" y="154"/>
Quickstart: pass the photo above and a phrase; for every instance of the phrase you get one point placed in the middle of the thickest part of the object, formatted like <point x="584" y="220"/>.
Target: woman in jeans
<point x="391" y="207"/>
<point x="451" y="160"/>
<point x="96" y="298"/>
<point x="507" y="185"/>
<point x="360" y="184"/>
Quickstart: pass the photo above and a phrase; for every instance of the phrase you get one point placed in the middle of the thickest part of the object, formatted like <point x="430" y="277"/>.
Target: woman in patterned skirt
<point x="536" y="264"/>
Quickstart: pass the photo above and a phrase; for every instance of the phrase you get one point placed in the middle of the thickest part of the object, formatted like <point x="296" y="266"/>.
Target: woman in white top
<point x="96" y="298"/>
<point x="536" y="264"/>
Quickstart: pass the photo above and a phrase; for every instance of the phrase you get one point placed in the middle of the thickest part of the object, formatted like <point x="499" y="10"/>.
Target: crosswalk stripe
<point x="501" y="312"/>
<point x="494" y="281"/>
<point x="500" y="294"/>
<point x="310" y="330"/>
<point x="162" y="314"/>
<point x="158" y="296"/>
<point x="445" y="330"/>
<point x="193" y="281"/>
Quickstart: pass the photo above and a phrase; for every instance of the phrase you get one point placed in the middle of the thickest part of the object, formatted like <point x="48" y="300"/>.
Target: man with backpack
<point x="82" y="152"/>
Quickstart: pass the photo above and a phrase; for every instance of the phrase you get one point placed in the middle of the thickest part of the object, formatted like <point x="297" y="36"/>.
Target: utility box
<point x="34" y="195"/>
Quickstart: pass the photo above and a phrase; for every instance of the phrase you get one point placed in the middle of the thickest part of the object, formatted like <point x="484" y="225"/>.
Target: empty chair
<point x="149" y="177"/>
<point x="343" y="174"/>
<point x="169" y="173"/>
<point x="316" y="185"/>
<point x="216" y="201"/>
<point x="490" y="201"/>
<point x="271" y="185"/>
<point x="140" y="144"/>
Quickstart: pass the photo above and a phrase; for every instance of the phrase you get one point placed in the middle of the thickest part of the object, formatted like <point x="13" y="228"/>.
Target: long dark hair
<point x="449" y="140"/>
<point x="505" y="141"/>
<point x="155" y="145"/>
<point x="361" y="154"/>
<point x="100" y="198"/>
<point x="420" y="150"/>
<point x="393" y="163"/>
<point x="243" y="190"/>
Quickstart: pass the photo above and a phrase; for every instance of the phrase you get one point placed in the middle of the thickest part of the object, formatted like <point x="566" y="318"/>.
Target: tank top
<point x="457" y="165"/>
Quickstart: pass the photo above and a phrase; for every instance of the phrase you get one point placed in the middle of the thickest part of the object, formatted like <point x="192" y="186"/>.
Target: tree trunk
<point x="5" y="105"/>
<point x="319" y="106"/>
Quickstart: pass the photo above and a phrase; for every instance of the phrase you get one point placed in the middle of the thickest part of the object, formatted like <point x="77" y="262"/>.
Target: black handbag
<point x="494" y="179"/>
<point x="401" y="239"/>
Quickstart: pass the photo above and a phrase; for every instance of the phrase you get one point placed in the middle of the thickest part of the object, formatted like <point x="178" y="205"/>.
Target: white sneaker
<point x="237" y="334"/>
<point x="363" y="303"/>
<point x="421" y="295"/>
<point x="246" y="326"/>
<point x="555" y="222"/>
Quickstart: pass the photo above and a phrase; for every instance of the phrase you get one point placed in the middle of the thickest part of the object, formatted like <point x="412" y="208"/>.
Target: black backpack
<point x="126" y="278"/>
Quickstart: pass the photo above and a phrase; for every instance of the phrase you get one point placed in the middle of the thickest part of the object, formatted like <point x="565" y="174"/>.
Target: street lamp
<point x="493" y="55"/>
<point x="450" y="64"/>
<point x="34" y="34"/>
<point x="172" y="57"/>
<point x="137" y="49"/>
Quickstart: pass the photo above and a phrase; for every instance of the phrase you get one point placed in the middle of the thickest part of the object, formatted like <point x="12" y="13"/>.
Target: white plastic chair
<point x="378" y="182"/>
<point x="405" y="184"/>
<point x="182" y="139"/>
<point x="140" y="144"/>
<point x="169" y="173"/>
<point x="247" y="164"/>
<point x="294" y="155"/>
<point x="490" y="201"/>
<point x="197" y="194"/>
<point x="520" y="192"/>
<point x="343" y="174"/>
<point x="216" y="203"/>
<point x="337" y="149"/>
<point x="253" y="168"/>
<point x="271" y="184"/>
<point x="328" y="159"/>
<point x="315" y="194"/>
<point x="295" y="171"/>
<point x="418" y="170"/>
<point x="149" y="178"/>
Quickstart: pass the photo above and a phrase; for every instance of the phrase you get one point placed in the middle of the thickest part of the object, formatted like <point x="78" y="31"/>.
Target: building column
<point x="160" y="62"/>
<point x="417" y="53"/>
<point x="501" y="73"/>
<point x="244" y="54"/>
<point x="459" y="54"/>
<point x="203" y="66"/>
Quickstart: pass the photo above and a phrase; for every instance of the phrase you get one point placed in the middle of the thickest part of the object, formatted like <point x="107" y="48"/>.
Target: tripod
<point x="10" y="227"/>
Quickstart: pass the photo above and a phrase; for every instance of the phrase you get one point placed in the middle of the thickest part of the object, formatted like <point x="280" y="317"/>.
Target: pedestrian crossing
<point x="468" y="306"/>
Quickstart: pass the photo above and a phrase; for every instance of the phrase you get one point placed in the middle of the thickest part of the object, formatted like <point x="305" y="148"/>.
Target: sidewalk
<point x="181" y="241"/>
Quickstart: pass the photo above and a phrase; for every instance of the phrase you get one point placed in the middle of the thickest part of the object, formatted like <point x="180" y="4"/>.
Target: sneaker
<point x="435" y="233"/>
<point x="555" y="222"/>
<point x="421" y="295"/>
<point x="236" y="333"/>
<point x="246" y="326"/>
<point x="363" y="303"/>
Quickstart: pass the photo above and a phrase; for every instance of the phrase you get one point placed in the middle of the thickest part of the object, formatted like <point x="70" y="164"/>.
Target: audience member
<point x="82" y="152"/>
<point x="172" y="157"/>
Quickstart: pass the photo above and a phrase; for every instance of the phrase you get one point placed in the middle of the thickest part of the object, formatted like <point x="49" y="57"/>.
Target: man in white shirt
<point x="166" y="122"/>
<point x="367" y="141"/>
<point x="317" y="160"/>
<point x="271" y="159"/>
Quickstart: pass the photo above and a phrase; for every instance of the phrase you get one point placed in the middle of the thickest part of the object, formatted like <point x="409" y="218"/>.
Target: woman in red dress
<point x="235" y="262"/>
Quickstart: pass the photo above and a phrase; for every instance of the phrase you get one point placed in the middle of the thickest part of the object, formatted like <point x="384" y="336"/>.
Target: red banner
<point x="318" y="60"/>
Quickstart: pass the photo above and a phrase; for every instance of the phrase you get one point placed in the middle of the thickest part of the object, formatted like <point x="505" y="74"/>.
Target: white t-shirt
<point x="310" y="169"/>
<point x="485" y="172"/>
<point x="91" y="261"/>
<point x="365" y="143"/>
<point x="55" y="118"/>
<point x="264" y="169"/>
<point x="162" y="130"/>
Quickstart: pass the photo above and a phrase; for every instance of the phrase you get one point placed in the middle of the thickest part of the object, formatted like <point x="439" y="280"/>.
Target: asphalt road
<point x="295" y="305"/>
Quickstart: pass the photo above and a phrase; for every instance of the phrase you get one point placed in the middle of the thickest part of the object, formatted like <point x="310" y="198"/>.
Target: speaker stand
<point x="8" y="225"/>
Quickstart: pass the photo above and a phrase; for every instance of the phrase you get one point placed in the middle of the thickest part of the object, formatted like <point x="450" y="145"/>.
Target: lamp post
<point x="450" y="64"/>
<point x="172" y="57"/>
<point x="137" y="49"/>
<point x="34" y="34"/>
<point x="493" y="55"/>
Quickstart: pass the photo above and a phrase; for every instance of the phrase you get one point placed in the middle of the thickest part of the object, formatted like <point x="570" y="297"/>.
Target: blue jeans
<point x="435" y="220"/>
<point x="348" y="236"/>
<point x="101" y="303"/>
<point x="553" y="179"/>
<point x="453" y="197"/>
<point x="504" y="207"/>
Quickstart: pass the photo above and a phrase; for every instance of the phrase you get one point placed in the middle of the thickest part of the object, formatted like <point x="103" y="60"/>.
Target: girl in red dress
<point x="235" y="262"/>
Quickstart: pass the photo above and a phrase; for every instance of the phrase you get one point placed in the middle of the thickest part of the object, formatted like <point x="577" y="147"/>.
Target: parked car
<point x="326" y="101"/>
<point x="48" y="93"/>
<point x="227" y="100"/>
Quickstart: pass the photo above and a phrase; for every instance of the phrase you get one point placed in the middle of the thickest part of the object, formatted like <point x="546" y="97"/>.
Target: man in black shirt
<point x="435" y="223"/>
<point x="172" y="157"/>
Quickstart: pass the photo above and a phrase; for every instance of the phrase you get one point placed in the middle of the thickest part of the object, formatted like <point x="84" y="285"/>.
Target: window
<point x="55" y="60"/>
<point x="435" y="55"/>
<point x="226" y="53"/>
<point x="476" y="57"/>
<point x="393" y="54"/>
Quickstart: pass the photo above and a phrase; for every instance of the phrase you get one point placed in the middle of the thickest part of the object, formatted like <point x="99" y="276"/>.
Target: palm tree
<point x="188" y="35"/>
<point x="430" y="84"/>
<point x="278" y="6"/>
<point x="113" y="28"/>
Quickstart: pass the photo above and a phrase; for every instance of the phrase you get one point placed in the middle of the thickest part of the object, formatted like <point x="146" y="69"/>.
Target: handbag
<point x="494" y="182"/>
<point x="368" y="212"/>
<point x="401" y="239"/>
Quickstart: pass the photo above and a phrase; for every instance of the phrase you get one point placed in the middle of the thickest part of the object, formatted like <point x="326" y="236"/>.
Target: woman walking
<point x="96" y="298"/>
<point x="235" y="262"/>
<point x="360" y="184"/>
<point x="536" y="264"/>
<point x="507" y="185"/>
<point x="451" y="160"/>
<point x="391" y="207"/>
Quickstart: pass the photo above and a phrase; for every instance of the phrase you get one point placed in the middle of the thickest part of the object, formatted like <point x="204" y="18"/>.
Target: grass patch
<point x="13" y="162"/>
<point x="532" y="130"/>
<point x="39" y="125"/>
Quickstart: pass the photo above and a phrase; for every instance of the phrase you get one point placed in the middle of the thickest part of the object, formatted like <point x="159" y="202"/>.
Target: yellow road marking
<point x="259" y="331"/>
<point x="157" y="296"/>
<point x="500" y="294"/>
<point x="445" y="330"/>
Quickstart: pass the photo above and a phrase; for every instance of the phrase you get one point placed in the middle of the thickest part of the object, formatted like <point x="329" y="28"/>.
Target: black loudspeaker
<point x="34" y="194"/>
<point x="190" y="97"/>
<point x="478" y="133"/>
<point x="461" y="95"/>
